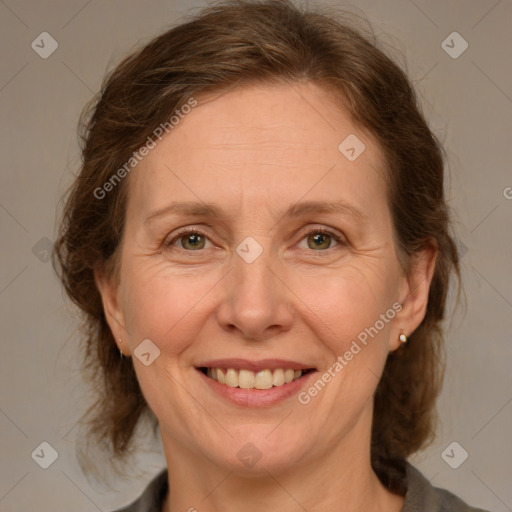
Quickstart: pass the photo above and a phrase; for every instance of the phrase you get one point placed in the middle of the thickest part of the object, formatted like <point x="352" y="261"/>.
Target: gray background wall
<point x="468" y="101"/>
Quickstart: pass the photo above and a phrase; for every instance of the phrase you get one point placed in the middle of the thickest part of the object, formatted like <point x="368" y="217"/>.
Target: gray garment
<point x="421" y="496"/>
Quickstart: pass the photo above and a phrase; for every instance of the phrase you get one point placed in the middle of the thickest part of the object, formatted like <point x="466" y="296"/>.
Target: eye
<point x="321" y="239"/>
<point x="193" y="239"/>
<point x="189" y="240"/>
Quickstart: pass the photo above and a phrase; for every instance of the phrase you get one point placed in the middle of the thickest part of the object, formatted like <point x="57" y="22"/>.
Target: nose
<point x="257" y="303"/>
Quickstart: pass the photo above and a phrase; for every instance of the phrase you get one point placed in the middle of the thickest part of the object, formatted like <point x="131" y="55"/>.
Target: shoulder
<point x="151" y="500"/>
<point x="422" y="496"/>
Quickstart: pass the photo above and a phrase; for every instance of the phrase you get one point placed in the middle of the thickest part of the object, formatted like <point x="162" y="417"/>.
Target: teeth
<point x="263" y="379"/>
<point x="247" y="379"/>
<point x="232" y="378"/>
<point x="278" y="377"/>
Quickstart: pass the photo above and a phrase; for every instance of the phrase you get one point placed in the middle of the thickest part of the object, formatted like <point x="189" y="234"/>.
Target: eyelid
<point x="168" y="241"/>
<point x="338" y="238"/>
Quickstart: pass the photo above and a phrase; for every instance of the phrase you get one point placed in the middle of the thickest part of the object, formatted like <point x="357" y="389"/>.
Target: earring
<point x="120" y="351"/>
<point x="403" y="338"/>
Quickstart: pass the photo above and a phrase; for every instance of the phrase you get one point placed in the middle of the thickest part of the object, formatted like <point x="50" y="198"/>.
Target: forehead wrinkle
<point x="203" y="209"/>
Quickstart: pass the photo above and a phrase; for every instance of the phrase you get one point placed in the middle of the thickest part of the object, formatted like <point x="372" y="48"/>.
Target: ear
<point x="414" y="293"/>
<point x="108" y="287"/>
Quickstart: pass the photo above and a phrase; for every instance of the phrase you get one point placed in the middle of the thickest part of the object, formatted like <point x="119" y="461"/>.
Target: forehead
<point x="261" y="145"/>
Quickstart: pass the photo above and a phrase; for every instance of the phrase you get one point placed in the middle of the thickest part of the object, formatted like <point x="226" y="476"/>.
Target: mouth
<point x="262" y="379"/>
<point x="255" y="384"/>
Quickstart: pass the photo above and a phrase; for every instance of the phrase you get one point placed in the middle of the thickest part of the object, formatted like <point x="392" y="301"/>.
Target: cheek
<point x="170" y="308"/>
<point x="343" y="303"/>
<point x="347" y="321"/>
<point x="166" y="308"/>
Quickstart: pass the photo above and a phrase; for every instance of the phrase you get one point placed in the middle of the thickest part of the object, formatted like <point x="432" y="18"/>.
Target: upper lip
<point x="255" y="366"/>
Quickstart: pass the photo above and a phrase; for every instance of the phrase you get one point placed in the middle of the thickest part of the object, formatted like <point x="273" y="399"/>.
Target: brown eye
<point x="320" y="240"/>
<point x="192" y="241"/>
<point x="188" y="240"/>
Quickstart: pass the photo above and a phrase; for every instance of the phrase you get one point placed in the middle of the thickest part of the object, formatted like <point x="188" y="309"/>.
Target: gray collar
<point x="420" y="496"/>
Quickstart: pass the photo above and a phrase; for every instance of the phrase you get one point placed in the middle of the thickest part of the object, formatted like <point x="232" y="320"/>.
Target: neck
<point x="340" y="479"/>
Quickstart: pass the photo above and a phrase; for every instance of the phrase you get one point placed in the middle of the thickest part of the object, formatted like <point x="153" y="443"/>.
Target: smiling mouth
<point x="247" y="379"/>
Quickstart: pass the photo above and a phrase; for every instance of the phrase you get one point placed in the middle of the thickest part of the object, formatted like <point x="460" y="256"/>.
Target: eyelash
<point x="310" y="231"/>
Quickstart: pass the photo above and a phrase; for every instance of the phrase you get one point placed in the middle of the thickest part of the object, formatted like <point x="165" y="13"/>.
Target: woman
<point x="260" y="243"/>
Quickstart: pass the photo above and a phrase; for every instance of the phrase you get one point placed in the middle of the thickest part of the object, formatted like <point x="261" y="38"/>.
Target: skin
<point x="255" y="151"/>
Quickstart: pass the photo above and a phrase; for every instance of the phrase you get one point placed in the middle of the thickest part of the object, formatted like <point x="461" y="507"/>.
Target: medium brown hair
<point x="235" y="43"/>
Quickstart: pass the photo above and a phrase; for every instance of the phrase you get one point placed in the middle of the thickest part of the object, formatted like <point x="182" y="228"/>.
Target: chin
<point x="257" y="450"/>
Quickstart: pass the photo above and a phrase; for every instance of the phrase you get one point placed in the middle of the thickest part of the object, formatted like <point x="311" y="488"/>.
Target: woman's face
<point x="289" y="263"/>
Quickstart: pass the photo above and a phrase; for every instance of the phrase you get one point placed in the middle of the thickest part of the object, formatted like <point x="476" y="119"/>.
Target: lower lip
<point x="257" y="397"/>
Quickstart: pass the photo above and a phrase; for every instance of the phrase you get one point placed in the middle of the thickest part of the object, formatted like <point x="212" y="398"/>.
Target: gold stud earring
<point x="403" y="338"/>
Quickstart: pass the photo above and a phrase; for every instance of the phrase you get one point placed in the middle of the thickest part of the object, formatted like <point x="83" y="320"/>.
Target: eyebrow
<point x="200" y="209"/>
